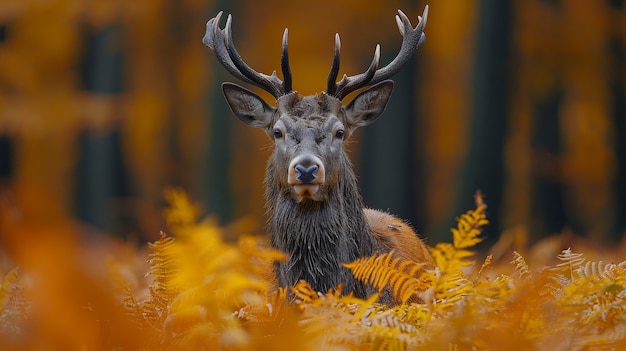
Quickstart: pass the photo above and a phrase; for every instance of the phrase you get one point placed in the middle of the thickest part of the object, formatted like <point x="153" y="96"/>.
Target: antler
<point x="220" y="42"/>
<point x="412" y="38"/>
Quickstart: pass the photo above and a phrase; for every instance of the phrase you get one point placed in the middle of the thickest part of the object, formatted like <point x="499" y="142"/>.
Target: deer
<point x="315" y="211"/>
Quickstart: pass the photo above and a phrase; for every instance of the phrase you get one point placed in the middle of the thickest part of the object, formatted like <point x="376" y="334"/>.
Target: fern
<point x="343" y="321"/>
<point x="469" y="225"/>
<point x="449" y="283"/>
<point x="14" y="309"/>
<point x="8" y="283"/>
<point x="415" y="314"/>
<point x="162" y="268"/>
<point x="181" y="213"/>
<point x="384" y="270"/>
<point x="594" y="293"/>
<point x="521" y="267"/>
<point x="449" y="289"/>
<point x="198" y="281"/>
<point x="600" y="269"/>
<point x="453" y="257"/>
<point x="570" y="260"/>
<point x="485" y="265"/>
<point x="203" y="293"/>
<point x="269" y="307"/>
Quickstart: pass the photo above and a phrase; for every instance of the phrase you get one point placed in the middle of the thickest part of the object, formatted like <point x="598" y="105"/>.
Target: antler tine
<point x="334" y="69"/>
<point x="284" y="64"/>
<point x="214" y="39"/>
<point x="271" y="84"/>
<point x="411" y="39"/>
<point x="349" y="84"/>
<point x="220" y="41"/>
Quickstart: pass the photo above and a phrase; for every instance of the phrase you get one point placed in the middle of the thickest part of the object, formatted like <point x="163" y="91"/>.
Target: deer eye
<point x="339" y="134"/>
<point x="278" y="133"/>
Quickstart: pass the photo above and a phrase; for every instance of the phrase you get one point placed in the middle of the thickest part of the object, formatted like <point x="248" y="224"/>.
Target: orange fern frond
<point x="14" y="308"/>
<point x="304" y="292"/>
<point x="449" y="258"/>
<point x="162" y="265"/>
<point x="267" y="310"/>
<point x="452" y="257"/>
<point x="384" y="270"/>
<point x="8" y="283"/>
<point x="260" y="256"/>
<point x="521" y="267"/>
<point x="469" y="225"/>
<point x="181" y="212"/>
<point x="570" y="260"/>
<point x="485" y="265"/>
<point x="415" y="314"/>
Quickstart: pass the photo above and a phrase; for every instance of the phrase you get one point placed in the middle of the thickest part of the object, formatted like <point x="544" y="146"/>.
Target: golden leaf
<point x="382" y="270"/>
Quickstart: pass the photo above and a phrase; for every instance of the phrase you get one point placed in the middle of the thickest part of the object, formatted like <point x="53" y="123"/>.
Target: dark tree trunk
<point x="484" y="168"/>
<point x="618" y="98"/>
<point x="101" y="176"/>
<point x="388" y="153"/>
<point x="217" y="194"/>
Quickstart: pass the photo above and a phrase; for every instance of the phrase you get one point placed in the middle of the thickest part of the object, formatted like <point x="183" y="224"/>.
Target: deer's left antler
<point x="411" y="39"/>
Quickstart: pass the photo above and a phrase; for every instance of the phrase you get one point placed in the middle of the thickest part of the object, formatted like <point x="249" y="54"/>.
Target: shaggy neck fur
<point x="319" y="236"/>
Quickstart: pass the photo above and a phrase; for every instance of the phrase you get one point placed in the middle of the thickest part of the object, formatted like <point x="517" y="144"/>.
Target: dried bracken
<point x="200" y="292"/>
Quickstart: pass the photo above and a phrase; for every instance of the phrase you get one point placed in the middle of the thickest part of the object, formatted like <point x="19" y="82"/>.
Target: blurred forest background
<point x="105" y="103"/>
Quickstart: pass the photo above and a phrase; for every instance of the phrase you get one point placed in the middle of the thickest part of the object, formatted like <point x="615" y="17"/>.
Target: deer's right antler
<point x="221" y="42"/>
<point x="411" y="39"/>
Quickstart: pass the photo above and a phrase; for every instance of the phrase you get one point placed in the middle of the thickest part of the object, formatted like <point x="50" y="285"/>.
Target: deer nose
<point x="306" y="174"/>
<point x="306" y="169"/>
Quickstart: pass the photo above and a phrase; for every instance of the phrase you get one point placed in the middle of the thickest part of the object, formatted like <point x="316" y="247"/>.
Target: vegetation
<point x="104" y="103"/>
<point x="194" y="291"/>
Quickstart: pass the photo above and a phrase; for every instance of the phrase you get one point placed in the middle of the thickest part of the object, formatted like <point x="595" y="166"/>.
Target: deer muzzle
<point x="306" y="175"/>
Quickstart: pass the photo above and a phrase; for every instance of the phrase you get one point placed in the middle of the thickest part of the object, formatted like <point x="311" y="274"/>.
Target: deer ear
<point x="250" y="108"/>
<point x="368" y="105"/>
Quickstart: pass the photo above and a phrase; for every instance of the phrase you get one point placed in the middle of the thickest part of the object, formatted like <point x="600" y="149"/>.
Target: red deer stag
<point x="315" y="210"/>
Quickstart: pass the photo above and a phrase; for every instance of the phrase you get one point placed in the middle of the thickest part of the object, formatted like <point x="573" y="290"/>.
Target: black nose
<point x="306" y="175"/>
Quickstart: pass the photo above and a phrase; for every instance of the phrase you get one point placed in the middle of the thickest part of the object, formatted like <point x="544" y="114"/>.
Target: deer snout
<point x="306" y="170"/>
<point x="306" y="174"/>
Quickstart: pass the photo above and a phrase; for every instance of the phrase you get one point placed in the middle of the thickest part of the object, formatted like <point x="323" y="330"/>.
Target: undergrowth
<point x="198" y="292"/>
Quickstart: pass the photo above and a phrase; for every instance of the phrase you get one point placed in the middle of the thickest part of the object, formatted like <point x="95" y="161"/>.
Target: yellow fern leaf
<point x="273" y="303"/>
<point x="493" y="293"/>
<point x="449" y="258"/>
<point x="303" y="291"/>
<point x="415" y="314"/>
<point x="449" y="289"/>
<point x="570" y="260"/>
<point x="14" y="307"/>
<point x="181" y="212"/>
<point x="521" y="267"/>
<point x="590" y="297"/>
<point x="8" y="283"/>
<point x="485" y="265"/>
<point x="162" y="265"/>
<point x="453" y="257"/>
<point x="469" y="225"/>
<point x="383" y="270"/>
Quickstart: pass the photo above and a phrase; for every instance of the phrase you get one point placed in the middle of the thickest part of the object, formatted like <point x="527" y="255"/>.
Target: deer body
<point x="315" y="211"/>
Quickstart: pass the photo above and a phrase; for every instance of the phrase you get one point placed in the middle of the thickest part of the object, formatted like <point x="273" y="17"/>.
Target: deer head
<point x="309" y="131"/>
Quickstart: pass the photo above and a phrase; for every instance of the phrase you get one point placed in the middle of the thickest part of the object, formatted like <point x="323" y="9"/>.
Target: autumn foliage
<point x="105" y="103"/>
<point x="192" y="291"/>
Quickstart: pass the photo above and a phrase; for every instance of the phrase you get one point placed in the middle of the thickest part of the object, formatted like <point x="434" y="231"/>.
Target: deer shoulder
<point x="396" y="235"/>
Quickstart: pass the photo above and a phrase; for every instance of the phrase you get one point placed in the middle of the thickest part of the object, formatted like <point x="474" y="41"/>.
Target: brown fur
<point x="396" y="235"/>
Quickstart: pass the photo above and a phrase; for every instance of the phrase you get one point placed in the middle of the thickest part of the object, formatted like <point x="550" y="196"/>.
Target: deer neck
<point x="319" y="236"/>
